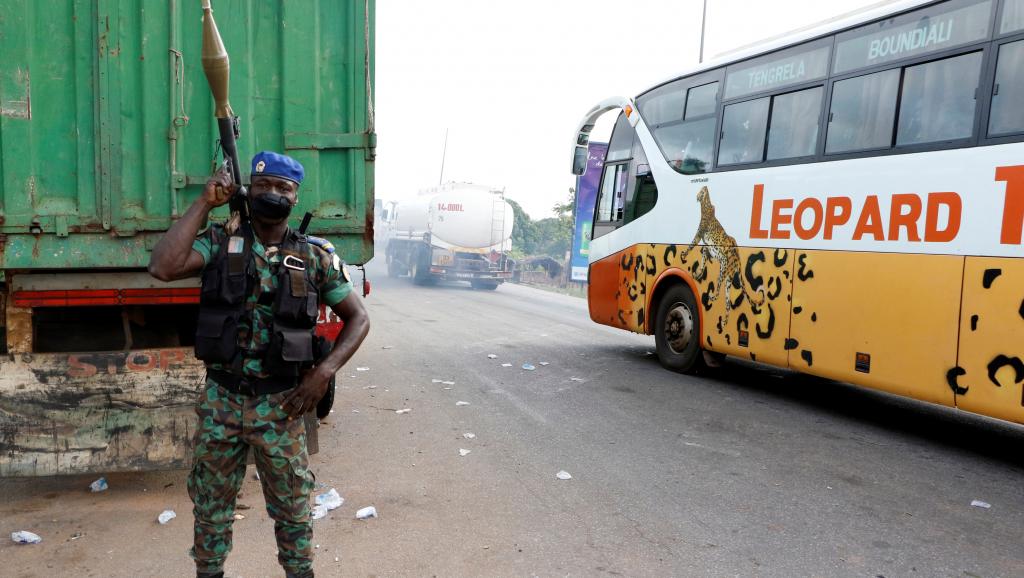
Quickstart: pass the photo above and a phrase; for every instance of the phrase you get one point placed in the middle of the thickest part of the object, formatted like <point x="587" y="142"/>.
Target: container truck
<point x="107" y="134"/>
<point x="455" y="231"/>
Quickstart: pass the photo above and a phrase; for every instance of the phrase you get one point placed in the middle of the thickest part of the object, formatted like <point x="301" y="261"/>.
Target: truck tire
<point x="484" y="285"/>
<point x="394" y="268"/>
<point x="677" y="331"/>
<point x="420" y="270"/>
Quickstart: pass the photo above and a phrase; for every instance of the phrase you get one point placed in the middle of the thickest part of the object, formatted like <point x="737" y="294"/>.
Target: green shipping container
<point x="107" y="135"/>
<point x="106" y="120"/>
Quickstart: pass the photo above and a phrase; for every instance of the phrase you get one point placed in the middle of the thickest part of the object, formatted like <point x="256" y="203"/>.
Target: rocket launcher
<point x="217" y="67"/>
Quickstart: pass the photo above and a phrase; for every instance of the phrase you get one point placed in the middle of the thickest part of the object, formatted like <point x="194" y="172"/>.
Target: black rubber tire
<point x="691" y="358"/>
<point x="394" y="267"/>
<point x="420" y="270"/>
<point x="484" y="285"/>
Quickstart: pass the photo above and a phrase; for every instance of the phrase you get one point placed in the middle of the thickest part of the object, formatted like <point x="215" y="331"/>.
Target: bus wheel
<point x="677" y="331"/>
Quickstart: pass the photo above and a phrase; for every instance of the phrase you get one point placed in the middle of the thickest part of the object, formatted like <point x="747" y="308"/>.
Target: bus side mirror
<point x="579" y="160"/>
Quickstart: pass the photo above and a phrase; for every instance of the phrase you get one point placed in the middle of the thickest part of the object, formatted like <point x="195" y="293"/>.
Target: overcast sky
<point x="510" y="80"/>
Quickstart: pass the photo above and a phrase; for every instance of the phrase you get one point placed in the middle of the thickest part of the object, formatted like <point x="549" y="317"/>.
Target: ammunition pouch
<point x="217" y="334"/>
<point x="296" y="308"/>
<point x="227" y="280"/>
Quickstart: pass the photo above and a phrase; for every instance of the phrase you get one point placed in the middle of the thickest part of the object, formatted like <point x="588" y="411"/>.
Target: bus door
<point x="626" y="192"/>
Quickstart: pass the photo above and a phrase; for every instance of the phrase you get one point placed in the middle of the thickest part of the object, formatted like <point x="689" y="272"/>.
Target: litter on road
<point x="575" y="379"/>
<point x="469" y="435"/>
<point x="367" y="512"/>
<point x="330" y="500"/>
<point x="491" y="356"/>
<point x="544" y="363"/>
<point x="447" y="383"/>
<point x="528" y="367"/>
<point x="980" y="504"/>
<point x="461" y="403"/>
<point x="463" y="452"/>
<point x="362" y="369"/>
<point x="401" y="411"/>
<point x="318" y="512"/>
<point x="166" y="516"/>
<point x="388" y="347"/>
<point x="436" y="380"/>
<point x="99" y="485"/>
<point x="506" y="365"/>
<point x="25" y="537"/>
<point x="239" y="517"/>
<point x="563" y="475"/>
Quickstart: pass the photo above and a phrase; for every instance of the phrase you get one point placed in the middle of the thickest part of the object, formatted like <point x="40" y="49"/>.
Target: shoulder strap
<point x="294" y="253"/>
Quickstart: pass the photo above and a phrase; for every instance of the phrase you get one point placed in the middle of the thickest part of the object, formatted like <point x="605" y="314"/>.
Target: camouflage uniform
<point x="231" y="423"/>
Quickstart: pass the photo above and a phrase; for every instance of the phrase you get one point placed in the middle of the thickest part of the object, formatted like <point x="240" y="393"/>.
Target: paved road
<point x="747" y="472"/>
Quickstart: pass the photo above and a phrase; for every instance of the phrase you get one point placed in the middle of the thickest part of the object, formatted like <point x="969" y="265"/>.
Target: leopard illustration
<point x="720" y="245"/>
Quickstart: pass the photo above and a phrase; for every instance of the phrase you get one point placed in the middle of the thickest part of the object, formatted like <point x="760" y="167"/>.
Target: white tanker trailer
<point x="456" y="231"/>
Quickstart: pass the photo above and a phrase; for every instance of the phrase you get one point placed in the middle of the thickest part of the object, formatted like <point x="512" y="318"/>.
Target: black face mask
<point x="271" y="206"/>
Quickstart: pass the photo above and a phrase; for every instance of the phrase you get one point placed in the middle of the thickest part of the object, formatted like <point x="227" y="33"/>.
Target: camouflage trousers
<point x="230" y="424"/>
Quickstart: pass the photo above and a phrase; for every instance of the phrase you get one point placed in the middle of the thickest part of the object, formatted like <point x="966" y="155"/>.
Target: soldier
<point x="262" y="284"/>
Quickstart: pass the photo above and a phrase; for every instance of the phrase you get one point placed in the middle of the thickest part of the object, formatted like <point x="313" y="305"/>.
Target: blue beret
<point x="271" y="164"/>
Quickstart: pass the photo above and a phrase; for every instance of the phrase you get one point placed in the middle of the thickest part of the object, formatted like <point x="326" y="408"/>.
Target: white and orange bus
<point x="847" y="202"/>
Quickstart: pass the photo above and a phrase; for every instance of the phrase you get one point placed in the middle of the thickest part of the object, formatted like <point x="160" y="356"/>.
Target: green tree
<point x="524" y="232"/>
<point x="561" y="239"/>
<point x="550" y="236"/>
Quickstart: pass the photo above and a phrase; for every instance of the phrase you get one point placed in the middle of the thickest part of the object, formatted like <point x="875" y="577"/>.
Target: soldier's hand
<point x="304" y="398"/>
<point x="219" y="187"/>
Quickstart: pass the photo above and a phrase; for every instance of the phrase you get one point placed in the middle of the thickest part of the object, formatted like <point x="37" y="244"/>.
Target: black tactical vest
<point x="229" y="278"/>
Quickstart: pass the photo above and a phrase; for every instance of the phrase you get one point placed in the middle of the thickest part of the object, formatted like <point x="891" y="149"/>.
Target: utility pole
<point x="444" y="153"/>
<point x="703" y="22"/>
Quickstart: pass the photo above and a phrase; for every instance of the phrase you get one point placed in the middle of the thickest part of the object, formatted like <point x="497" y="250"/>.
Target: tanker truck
<point x="455" y="231"/>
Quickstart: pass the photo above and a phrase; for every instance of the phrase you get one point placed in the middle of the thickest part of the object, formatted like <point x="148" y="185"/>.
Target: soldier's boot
<point x="303" y="575"/>
<point x="210" y="574"/>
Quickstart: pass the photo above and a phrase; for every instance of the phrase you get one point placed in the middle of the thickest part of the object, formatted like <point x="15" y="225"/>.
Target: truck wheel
<point x="485" y="285"/>
<point x="394" y="269"/>
<point x="677" y="331"/>
<point x="420" y="272"/>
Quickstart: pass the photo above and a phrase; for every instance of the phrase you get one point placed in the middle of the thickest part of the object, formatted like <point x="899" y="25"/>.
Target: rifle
<point x="217" y="67"/>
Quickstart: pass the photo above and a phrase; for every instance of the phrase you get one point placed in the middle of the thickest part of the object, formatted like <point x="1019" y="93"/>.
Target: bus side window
<point x="1007" y="115"/>
<point x="641" y="192"/>
<point x="793" y="129"/>
<point x="862" y="113"/>
<point x="938" y="100"/>
<point x="743" y="131"/>
<point x="687" y="137"/>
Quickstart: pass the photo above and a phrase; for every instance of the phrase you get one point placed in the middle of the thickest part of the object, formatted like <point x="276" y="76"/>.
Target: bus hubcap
<point x="679" y="327"/>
